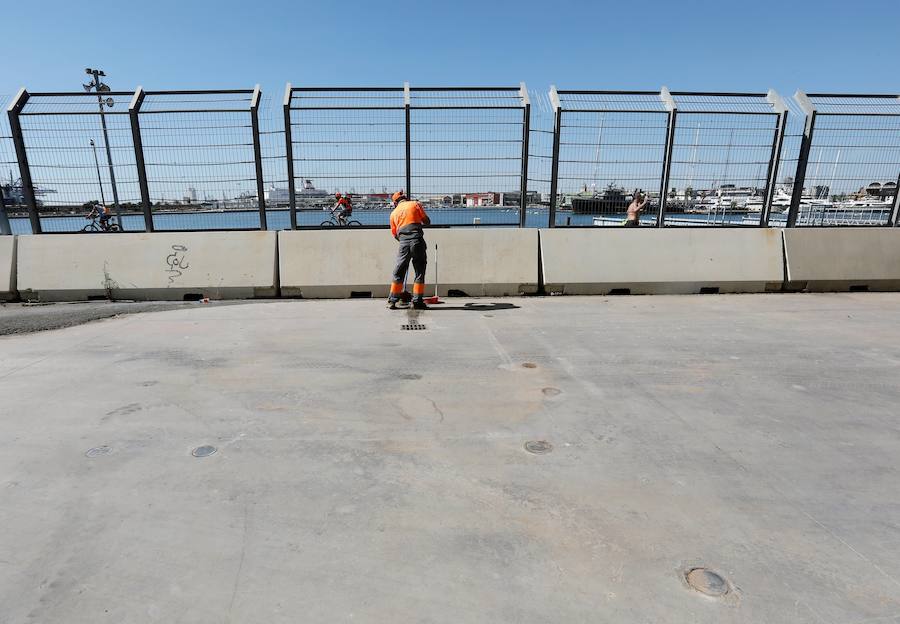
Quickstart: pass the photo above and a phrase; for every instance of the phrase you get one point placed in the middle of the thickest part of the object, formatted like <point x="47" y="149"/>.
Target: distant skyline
<point x="820" y="46"/>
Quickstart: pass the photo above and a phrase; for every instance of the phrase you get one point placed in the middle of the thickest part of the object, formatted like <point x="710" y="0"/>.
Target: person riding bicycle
<point x="101" y="211"/>
<point x="345" y="204"/>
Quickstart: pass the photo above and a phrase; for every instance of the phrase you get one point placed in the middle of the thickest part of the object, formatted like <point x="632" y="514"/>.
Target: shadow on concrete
<point x="475" y="307"/>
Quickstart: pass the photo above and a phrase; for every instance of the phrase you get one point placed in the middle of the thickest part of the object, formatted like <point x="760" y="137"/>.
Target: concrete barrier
<point x="161" y="266"/>
<point x="661" y="261"/>
<point x="7" y="268"/>
<point x="342" y="263"/>
<point x="835" y="259"/>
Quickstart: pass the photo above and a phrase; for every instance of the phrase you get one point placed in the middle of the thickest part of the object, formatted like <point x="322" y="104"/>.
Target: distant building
<point x="882" y="190"/>
<point x="477" y="200"/>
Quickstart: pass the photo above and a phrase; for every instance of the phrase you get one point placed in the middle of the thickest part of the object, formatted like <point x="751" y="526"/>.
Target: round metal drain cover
<point x="551" y="392"/>
<point x="538" y="447"/>
<point x="707" y="582"/>
<point x="97" y="451"/>
<point x="529" y="365"/>
<point x="410" y="376"/>
<point x="203" y="451"/>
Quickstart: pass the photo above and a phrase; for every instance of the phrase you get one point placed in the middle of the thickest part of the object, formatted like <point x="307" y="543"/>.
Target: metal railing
<point x="199" y="160"/>
<point x="74" y="153"/>
<point x="454" y="148"/>
<point x="11" y="201"/>
<point x="701" y="158"/>
<point x="848" y="169"/>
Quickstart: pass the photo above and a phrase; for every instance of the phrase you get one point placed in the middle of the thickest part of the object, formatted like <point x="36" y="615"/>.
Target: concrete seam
<point x="540" y="265"/>
<point x="277" y="265"/>
<point x="14" y="271"/>
<point x="784" y="262"/>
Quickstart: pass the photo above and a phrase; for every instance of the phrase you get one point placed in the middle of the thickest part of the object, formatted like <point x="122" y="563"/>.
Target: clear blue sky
<point x="723" y="45"/>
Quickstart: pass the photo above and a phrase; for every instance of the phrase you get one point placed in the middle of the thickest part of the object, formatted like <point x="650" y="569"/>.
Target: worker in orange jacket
<point x="407" y="222"/>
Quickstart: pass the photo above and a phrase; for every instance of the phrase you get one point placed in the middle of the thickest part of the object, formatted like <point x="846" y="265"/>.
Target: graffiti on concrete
<point x="176" y="262"/>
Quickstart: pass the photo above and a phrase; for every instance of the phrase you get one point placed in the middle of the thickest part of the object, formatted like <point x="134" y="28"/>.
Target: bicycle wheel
<point x="326" y="223"/>
<point x="353" y="223"/>
<point x="113" y="228"/>
<point x="91" y="227"/>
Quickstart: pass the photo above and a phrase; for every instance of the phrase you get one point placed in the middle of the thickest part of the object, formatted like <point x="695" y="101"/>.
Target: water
<point x="280" y="219"/>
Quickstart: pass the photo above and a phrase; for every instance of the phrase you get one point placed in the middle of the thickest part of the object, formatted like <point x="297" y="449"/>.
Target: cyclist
<point x="104" y="214"/>
<point x="345" y="204"/>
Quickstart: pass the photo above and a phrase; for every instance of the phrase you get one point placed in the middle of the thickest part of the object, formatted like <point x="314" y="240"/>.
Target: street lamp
<point x="101" y="87"/>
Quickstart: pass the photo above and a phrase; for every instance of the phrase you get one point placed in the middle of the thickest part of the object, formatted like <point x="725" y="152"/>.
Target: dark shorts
<point x="345" y="212"/>
<point x="632" y="223"/>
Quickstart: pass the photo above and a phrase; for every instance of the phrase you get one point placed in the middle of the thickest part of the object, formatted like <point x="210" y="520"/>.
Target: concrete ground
<point x="367" y="473"/>
<point x="24" y="318"/>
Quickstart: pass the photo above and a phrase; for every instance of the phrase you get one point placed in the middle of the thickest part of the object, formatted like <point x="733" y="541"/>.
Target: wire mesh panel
<point x="350" y="141"/>
<point x="466" y="153"/>
<point x="10" y="181"/>
<point x="540" y="160"/>
<point x="787" y="165"/>
<point x="853" y="164"/>
<point x="724" y="147"/>
<point x="273" y="153"/>
<point x="75" y="163"/>
<point x="198" y="149"/>
<point x="612" y="145"/>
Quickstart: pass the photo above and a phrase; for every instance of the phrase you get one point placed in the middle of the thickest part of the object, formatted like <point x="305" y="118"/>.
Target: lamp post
<point x="100" y="87"/>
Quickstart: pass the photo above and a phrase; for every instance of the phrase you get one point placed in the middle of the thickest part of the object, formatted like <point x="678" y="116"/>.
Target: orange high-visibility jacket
<point x="407" y="219"/>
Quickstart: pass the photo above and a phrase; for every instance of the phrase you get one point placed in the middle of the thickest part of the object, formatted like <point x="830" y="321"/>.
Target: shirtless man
<point x="637" y="205"/>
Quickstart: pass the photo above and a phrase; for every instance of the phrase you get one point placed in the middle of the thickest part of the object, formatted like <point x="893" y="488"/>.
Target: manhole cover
<point x="551" y="392"/>
<point x="707" y="582"/>
<point x="97" y="451"/>
<point x="410" y="376"/>
<point x="412" y="326"/>
<point x="529" y="365"/>
<point x="538" y="447"/>
<point x="203" y="451"/>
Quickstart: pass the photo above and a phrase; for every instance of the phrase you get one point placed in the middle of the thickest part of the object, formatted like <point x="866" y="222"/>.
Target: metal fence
<point x="461" y="151"/>
<point x="199" y="159"/>
<point x="849" y="163"/>
<point x="75" y="153"/>
<point x="699" y="158"/>
<point x="215" y="160"/>
<point x="11" y="201"/>
<point x="607" y="146"/>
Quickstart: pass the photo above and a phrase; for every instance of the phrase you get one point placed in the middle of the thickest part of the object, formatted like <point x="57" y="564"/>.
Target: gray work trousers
<point x="411" y="250"/>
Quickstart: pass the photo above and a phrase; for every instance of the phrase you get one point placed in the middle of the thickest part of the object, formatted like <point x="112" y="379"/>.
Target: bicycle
<point x="336" y="222"/>
<point x="96" y="226"/>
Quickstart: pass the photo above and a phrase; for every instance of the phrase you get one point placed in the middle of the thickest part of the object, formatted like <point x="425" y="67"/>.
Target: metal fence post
<point x="5" y="227"/>
<point x="892" y="220"/>
<point x="669" y="102"/>
<point x="775" y="158"/>
<point x="554" y="166"/>
<point x="803" y="158"/>
<point x="289" y="155"/>
<point x="406" y="104"/>
<point x="15" y="107"/>
<point x="257" y="156"/>
<point x="134" y="110"/>
<point x="526" y="134"/>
